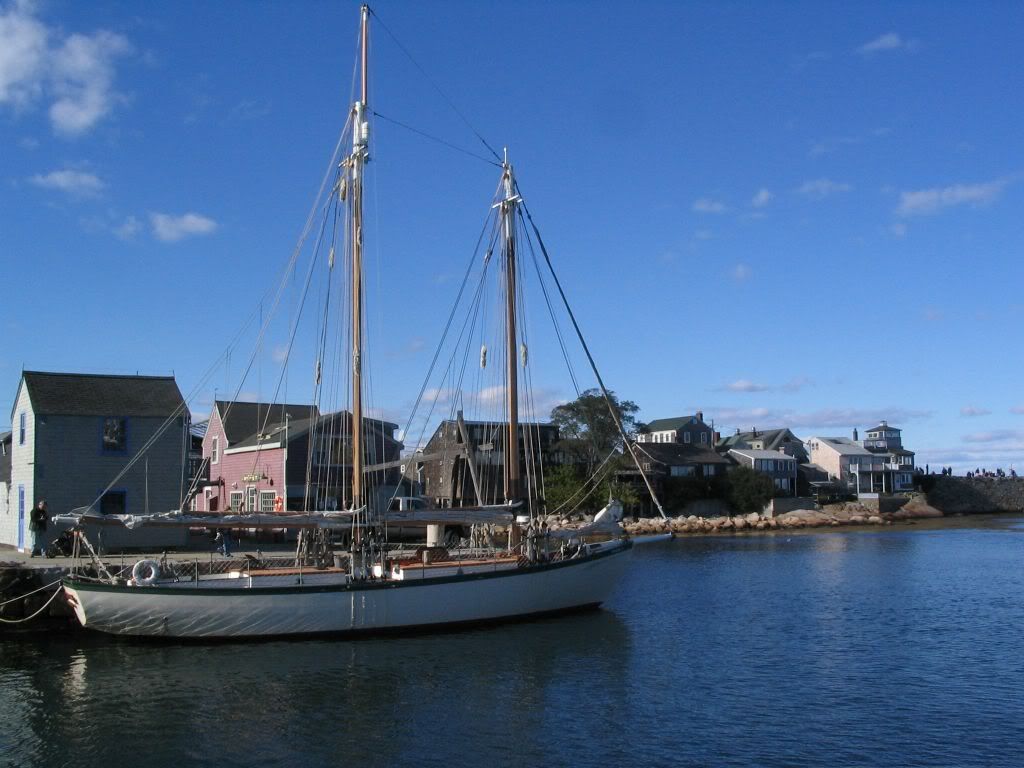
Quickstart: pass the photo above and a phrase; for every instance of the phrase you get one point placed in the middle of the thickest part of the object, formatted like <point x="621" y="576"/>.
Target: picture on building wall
<point x="114" y="435"/>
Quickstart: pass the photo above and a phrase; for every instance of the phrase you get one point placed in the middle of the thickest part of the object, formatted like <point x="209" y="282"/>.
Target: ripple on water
<point x="877" y="649"/>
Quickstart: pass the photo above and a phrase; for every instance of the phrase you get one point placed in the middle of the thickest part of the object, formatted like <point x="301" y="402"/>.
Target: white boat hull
<point x="360" y="607"/>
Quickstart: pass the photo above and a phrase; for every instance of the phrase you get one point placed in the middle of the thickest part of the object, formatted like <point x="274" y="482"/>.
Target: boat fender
<point x="145" y="572"/>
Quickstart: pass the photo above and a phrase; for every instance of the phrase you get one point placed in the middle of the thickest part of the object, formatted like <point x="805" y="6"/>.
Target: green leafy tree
<point x="587" y="429"/>
<point x="749" y="490"/>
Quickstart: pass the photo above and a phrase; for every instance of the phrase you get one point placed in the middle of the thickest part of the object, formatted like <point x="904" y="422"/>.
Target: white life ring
<point x="146" y="572"/>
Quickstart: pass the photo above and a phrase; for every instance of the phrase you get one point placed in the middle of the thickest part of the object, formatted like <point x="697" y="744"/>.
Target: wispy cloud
<point x="741" y="272"/>
<point x="1018" y="409"/>
<point x="77" y="183"/>
<point x="707" y="205"/>
<point x="890" y="41"/>
<point x="172" y="228"/>
<point x="822" y="188"/>
<point x="744" y="385"/>
<point x="762" y="198"/>
<point x="128" y="229"/>
<point x="923" y="202"/>
<point x="970" y="411"/>
<point x="994" y="436"/>
<point x="841" y="419"/>
<point x="74" y="73"/>
<point x="933" y="314"/>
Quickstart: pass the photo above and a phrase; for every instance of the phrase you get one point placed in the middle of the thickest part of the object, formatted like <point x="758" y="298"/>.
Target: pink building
<point x="264" y="457"/>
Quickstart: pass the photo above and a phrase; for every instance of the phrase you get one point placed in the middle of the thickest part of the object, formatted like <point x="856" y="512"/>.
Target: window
<point x="236" y="500"/>
<point x="686" y="436"/>
<point x="681" y="471"/>
<point x="267" y="499"/>
<point x="21" y="428"/>
<point x="114" y="503"/>
<point x="704" y="438"/>
<point x="215" y="450"/>
<point x="250" y="499"/>
<point x="115" y="434"/>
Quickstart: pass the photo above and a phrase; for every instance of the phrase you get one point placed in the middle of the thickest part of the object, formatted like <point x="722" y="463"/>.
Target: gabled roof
<point x="242" y="420"/>
<point x="336" y="423"/>
<point x="663" y="425"/>
<point x="751" y="453"/>
<point x="843" y="445"/>
<point x="87" y="394"/>
<point x="679" y="454"/>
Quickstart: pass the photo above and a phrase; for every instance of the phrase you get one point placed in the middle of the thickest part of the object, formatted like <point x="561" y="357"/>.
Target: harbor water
<point x="894" y="647"/>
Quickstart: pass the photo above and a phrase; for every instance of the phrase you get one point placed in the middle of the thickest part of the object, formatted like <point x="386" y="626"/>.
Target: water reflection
<point x="371" y="700"/>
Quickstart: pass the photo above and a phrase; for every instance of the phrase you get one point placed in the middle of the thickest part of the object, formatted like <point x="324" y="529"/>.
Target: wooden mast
<point x="360" y="155"/>
<point x="513" y="490"/>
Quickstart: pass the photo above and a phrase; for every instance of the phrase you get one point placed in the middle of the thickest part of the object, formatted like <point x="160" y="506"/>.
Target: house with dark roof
<point x="664" y="461"/>
<point x="445" y="475"/>
<point x="258" y="457"/>
<point x="74" y="438"/>
<point x="779" y="439"/>
<point x="685" y="430"/>
<point x="779" y="466"/>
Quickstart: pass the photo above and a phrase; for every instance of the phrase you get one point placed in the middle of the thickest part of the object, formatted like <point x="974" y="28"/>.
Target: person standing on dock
<point x="37" y="523"/>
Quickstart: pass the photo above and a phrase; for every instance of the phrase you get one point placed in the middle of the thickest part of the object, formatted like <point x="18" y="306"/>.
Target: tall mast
<point x="358" y="160"/>
<point x="513" y="490"/>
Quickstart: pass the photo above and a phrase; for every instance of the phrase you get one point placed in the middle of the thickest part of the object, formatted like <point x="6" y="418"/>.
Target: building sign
<point x="252" y="478"/>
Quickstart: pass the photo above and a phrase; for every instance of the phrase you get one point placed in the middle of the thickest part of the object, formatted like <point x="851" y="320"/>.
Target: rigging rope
<point x="436" y="87"/>
<point x="590" y="358"/>
<point x="426" y="135"/>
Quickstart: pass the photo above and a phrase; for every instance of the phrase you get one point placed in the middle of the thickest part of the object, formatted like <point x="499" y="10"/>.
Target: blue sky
<point x="800" y="214"/>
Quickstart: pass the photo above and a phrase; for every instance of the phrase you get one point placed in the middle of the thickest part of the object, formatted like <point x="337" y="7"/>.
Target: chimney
<point x="718" y="436"/>
<point x="737" y="430"/>
<point x="855" y="438"/>
<point x="700" y="416"/>
<point x="885" y="423"/>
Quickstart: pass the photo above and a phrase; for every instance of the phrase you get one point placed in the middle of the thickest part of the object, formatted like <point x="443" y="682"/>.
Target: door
<point x="21" y="517"/>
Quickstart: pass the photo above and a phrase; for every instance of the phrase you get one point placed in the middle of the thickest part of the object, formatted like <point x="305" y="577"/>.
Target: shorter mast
<point x="513" y="483"/>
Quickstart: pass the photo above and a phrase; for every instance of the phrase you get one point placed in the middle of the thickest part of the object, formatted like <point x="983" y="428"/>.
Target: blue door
<point x="21" y="517"/>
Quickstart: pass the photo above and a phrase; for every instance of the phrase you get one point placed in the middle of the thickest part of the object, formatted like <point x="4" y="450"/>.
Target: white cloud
<point x="995" y="436"/>
<point x="838" y="420"/>
<point x="707" y="205"/>
<point x="1018" y="409"/>
<point x="128" y="228"/>
<point x="969" y="411"/>
<point x="74" y="73"/>
<point x="762" y="198"/>
<point x="171" y="228"/>
<point x="821" y="188"/>
<point x="741" y="272"/>
<point x="890" y="41"/>
<point x="83" y="78"/>
<point x="23" y="52"/>
<point x="72" y="182"/>
<point x="745" y="385"/>
<point x="923" y="202"/>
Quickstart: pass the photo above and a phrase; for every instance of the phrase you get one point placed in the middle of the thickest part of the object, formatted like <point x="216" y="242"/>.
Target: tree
<point x="749" y="490"/>
<point x="587" y="429"/>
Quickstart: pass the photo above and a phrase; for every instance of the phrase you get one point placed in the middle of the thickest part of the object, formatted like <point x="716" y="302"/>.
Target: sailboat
<point x="373" y="589"/>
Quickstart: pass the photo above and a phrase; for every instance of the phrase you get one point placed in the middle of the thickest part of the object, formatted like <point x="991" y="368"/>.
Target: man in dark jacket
<point x="37" y="523"/>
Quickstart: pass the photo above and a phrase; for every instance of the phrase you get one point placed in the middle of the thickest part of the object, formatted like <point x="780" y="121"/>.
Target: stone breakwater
<point x="831" y="516"/>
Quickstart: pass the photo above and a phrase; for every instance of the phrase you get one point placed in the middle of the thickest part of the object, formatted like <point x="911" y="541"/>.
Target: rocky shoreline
<point x="847" y="514"/>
